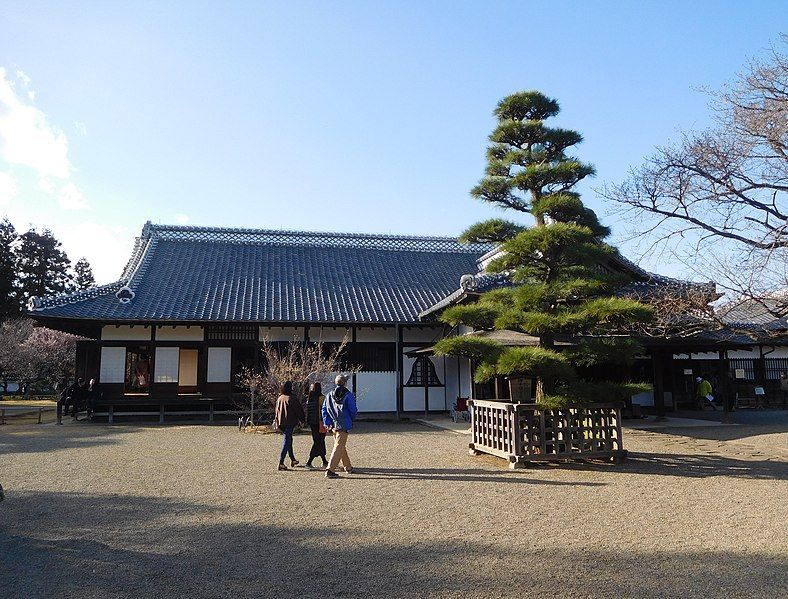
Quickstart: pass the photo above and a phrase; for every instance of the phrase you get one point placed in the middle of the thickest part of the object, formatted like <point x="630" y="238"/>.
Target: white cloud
<point x="26" y="136"/>
<point x="8" y="188"/>
<point x="71" y="198"/>
<point x="81" y="128"/>
<point x="181" y="219"/>
<point x="106" y="248"/>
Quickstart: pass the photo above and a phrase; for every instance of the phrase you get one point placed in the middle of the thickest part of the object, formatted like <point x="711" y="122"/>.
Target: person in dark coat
<point x="75" y="396"/>
<point x="289" y="414"/>
<point x="314" y="402"/>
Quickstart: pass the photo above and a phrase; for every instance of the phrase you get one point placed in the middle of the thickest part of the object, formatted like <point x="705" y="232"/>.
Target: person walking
<point x="339" y="411"/>
<point x="289" y="414"/>
<point x="704" y="392"/>
<point x="314" y="404"/>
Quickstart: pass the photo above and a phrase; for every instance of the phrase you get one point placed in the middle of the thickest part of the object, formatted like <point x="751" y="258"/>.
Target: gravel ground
<point x="199" y="511"/>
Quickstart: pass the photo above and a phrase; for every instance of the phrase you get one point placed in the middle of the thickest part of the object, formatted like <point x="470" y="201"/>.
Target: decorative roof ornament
<point x="468" y="282"/>
<point x="124" y="295"/>
<point x="34" y="303"/>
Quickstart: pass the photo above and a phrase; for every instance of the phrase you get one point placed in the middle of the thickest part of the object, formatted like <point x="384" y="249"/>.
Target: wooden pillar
<point x="400" y="366"/>
<point x="657" y="361"/>
<point x="724" y="389"/>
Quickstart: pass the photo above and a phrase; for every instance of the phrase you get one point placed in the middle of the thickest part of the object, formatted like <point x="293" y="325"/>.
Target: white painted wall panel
<point x="219" y="360"/>
<point x="282" y="333"/>
<point x="413" y="399"/>
<point x="329" y="334"/>
<point x="380" y="334"/>
<point x="166" y="365"/>
<point x="113" y="365"/>
<point x="179" y="334"/>
<point x="376" y="391"/>
<point x="125" y="333"/>
<point x="422" y="335"/>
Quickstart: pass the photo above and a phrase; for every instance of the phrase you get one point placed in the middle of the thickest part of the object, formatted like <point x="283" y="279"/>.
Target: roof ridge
<point x="153" y="229"/>
<point x="281" y="237"/>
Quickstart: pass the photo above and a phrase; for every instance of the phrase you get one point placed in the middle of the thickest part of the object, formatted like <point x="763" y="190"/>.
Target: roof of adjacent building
<point x="184" y="274"/>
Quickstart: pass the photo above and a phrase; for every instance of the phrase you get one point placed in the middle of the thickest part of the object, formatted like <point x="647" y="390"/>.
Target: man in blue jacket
<point x="338" y="412"/>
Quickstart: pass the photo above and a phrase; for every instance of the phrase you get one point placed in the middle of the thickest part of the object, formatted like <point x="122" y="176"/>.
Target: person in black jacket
<point x="75" y="396"/>
<point x="314" y="402"/>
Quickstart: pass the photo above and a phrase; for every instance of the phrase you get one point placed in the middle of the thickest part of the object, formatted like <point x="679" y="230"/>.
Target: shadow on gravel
<point x="72" y="545"/>
<point x="51" y="437"/>
<point x="461" y="475"/>
<point x="692" y="466"/>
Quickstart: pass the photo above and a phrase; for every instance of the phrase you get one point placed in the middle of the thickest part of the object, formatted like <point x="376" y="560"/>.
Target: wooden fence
<point x="523" y="433"/>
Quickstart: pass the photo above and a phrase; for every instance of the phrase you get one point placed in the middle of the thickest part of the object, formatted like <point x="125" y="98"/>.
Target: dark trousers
<point x="287" y="444"/>
<point x="318" y="443"/>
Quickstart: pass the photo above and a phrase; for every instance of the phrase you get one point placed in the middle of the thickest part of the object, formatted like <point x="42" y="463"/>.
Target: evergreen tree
<point x="42" y="267"/>
<point x="9" y="305"/>
<point x="563" y="288"/>
<point x="83" y="275"/>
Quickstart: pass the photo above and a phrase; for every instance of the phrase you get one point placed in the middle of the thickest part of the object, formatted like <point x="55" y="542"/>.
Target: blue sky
<point x="356" y="116"/>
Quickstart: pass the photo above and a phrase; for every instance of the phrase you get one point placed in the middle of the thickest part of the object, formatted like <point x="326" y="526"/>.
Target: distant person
<point x="92" y="396"/>
<point x="75" y="395"/>
<point x="289" y="414"/>
<point x="62" y="389"/>
<point x="314" y="405"/>
<point x="704" y="392"/>
<point x="339" y="411"/>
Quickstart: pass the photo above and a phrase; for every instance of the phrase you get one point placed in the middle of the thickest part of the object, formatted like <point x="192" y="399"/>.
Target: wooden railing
<point x="523" y="433"/>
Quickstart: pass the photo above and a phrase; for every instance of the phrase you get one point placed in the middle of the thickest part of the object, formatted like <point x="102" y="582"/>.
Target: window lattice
<point x="423" y="374"/>
<point x="231" y="332"/>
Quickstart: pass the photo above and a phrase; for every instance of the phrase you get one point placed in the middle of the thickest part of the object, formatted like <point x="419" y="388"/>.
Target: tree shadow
<point x="688" y="465"/>
<point x="460" y="475"/>
<point x="51" y="437"/>
<point x="118" y="546"/>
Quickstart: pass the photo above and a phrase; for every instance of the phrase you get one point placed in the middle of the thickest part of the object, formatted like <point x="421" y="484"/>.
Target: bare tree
<point x="301" y="363"/>
<point x="718" y="200"/>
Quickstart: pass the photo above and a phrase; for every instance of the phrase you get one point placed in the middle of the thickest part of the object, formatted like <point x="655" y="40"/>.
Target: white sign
<point x="740" y="373"/>
<point x="688" y="371"/>
<point x="759" y="391"/>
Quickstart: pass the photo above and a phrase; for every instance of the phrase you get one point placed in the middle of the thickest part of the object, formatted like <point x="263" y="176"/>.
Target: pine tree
<point x="563" y="288"/>
<point x="9" y="305"/>
<point x="42" y="267"/>
<point x="83" y="275"/>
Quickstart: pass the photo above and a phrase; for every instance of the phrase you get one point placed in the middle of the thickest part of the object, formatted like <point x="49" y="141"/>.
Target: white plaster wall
<point x="779" y="352"/>
<point x="422" y="335"/>
<point x="452" y="384"/>
<point x="388" y="334"/>
<point x="466" y="387"/>
<point x="125" y="333"/>
<point x="329" y="334"/>
<point x="376" y="391"/>
<point x="282" y="333"/>
<point x="179" y="333"/>
<point x="413" y="399"/>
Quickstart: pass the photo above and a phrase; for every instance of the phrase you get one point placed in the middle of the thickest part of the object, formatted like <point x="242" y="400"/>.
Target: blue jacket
<point x="339" y="410"/>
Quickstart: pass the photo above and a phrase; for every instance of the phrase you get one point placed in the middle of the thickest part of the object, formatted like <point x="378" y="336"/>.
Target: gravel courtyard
<point x="199" y="511"/>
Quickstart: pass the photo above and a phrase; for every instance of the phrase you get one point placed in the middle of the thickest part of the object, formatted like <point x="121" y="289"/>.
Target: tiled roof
<point x="211" y="274"/>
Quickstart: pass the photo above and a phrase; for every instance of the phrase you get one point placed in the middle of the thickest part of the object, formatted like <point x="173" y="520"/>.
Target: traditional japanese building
<point x="193" y="305"/>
